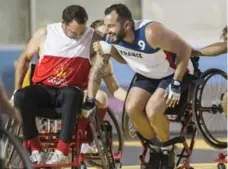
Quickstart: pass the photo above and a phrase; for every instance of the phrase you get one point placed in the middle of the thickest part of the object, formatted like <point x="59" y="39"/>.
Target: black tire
<point x="221" y="166"/>
<point x="119" y="135"/>
<point x="12" y="158"/>
<point x="118" y="129"/>
<point x="100" y="141"/>
<point x="196" y="105"/>
<point x="127" y="126"/>
<point x="128" y="129"/>
<point x="18" y="147"/>
<point x="82" y="166"/>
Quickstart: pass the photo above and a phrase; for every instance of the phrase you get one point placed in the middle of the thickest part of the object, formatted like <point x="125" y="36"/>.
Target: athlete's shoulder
<point x="154" y="31"/>
<point x="56" y="24"/>
<point x="41" y="32"/>
<point x="154" y="26"/>
<point x="138" y="24"/>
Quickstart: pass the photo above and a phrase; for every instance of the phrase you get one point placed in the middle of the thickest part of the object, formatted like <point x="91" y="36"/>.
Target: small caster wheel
<point x="118" y="165"/>
<point x="82" y="166"/>
<point x="142" y="166"/>
<point x="221" y="166"/>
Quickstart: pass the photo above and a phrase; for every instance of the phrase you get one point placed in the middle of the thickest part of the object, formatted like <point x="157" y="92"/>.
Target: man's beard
<point x="119" y="36"/>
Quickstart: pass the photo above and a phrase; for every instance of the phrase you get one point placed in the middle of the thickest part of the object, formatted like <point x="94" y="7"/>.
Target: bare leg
<point x="155" y="109"/>
<point x="135" y="107"/>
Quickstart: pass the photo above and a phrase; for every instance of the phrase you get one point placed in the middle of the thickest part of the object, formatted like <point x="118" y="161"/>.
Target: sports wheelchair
<point x="194" y="110"/>
<point x="102" y="133"/>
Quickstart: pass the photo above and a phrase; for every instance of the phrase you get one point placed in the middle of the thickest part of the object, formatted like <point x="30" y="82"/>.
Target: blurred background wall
<point x="196" y="20"/>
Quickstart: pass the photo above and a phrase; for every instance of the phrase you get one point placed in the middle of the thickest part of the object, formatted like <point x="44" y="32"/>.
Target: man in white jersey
<point x="160" y="59"/>
<point x="61" y="74"/>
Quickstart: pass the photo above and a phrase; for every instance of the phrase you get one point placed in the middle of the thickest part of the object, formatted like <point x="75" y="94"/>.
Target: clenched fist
<point x="102" y="47"/>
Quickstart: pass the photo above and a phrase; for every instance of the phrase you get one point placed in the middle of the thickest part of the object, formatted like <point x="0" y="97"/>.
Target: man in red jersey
<point x="61" y="74"/>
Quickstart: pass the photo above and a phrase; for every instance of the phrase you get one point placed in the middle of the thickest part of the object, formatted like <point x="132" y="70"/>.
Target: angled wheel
<point x="13" y="151"/>
<point x="82" y="166"/>
<point x="221" y="166"/>
<point x="12" y="157"/>
<point x="127" y="126"/>
<point x="115" y="147"/>
<point x="209" y="116"/>
<point x="101" y="137"/>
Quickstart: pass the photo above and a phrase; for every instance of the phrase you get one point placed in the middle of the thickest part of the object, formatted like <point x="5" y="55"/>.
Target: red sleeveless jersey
<point x="63" y="61"/>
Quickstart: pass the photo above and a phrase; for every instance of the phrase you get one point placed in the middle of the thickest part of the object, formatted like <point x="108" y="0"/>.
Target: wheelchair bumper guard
<point x="187" y="149"/>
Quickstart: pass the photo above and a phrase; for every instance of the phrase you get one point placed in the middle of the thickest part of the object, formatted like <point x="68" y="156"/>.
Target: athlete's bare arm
<point x="214" y="49"/>
<point x="112" y="84"/>
<point x="25" y="58"/>
<point x="158" y="36"/>
<point x="99" y="64"/>
<point x="113" y="52"/>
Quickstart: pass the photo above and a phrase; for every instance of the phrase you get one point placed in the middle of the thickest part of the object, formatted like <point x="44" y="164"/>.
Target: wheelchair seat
<point x="28" y="76"/>
<point x="185" y="98"/>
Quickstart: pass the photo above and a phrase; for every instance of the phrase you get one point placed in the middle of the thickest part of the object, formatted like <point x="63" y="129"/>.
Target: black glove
<point x="88" y="107"/>
<point x="174" y="92"/>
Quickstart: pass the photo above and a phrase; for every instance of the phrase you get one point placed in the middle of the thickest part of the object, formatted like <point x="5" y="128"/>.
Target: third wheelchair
<point x="197" y="106"/>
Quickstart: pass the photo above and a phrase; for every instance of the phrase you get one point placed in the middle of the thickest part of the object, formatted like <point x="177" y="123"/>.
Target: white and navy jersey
<point x="145" y="60"/>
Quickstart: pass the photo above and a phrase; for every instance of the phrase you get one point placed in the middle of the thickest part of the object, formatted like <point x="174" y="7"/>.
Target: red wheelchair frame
<point x="50" y="140"/>
<point x="187" y="148"/>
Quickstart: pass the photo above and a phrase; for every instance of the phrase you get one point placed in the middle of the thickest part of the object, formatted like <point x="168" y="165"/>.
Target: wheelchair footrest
<point x="61" y="165"/>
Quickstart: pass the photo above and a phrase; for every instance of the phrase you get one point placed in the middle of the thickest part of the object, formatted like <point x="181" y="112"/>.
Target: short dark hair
<point x="122" y="10"/>
<point x="74" y="12"/>
<point x="97" y="23"/>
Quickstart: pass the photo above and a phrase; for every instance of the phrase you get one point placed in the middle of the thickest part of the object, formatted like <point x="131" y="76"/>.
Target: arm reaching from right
<point x="214" y="49"/>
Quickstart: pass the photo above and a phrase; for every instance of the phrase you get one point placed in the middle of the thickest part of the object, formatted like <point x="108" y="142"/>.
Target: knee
<point x="20" y="98"/>
<point x="102" y="99"/>
<point x="73" y="93"/>
<point x="152" y="116"/>
<point x="152" y="112"/>
<point x="133" y="109"/>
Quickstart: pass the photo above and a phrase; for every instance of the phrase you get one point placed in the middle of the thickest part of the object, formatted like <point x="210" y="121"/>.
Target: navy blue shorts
<point x="151" y="85"/>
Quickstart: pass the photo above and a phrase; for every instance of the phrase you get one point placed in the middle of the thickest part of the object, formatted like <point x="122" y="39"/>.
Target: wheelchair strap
<point x="170" y="142"/>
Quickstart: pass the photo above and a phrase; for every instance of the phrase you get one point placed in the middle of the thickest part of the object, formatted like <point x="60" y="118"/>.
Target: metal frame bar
<point x="32" y="16"/>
